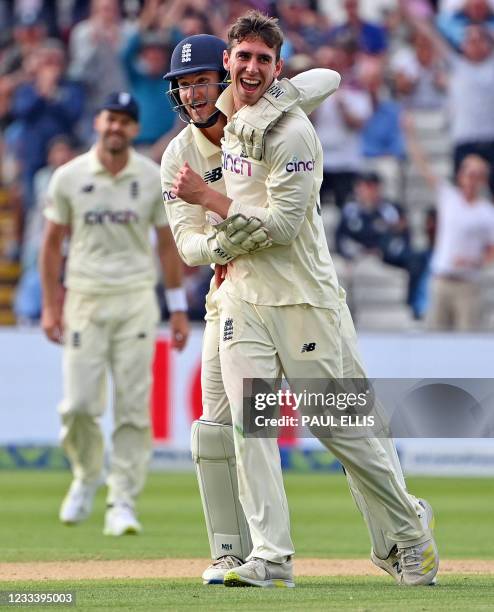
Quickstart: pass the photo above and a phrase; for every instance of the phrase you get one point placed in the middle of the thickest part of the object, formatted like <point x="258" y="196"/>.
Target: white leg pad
<point x="213" y="452"/>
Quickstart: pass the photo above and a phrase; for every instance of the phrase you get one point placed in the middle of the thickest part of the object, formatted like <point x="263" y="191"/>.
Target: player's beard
<point x="115" y="143"/>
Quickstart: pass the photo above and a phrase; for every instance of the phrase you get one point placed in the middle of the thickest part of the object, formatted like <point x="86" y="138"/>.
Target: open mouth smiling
<point x="250" y="84"/>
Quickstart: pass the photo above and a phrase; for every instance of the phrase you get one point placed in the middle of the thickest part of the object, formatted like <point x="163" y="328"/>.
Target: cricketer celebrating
<point x="108" y="199"/>
<point x="275" y="301"/>
<point x="197" y="77"/>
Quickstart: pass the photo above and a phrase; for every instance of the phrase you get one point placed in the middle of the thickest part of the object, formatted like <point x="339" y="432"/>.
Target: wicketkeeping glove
<point x="236" y="236"/>
<point x="251" y="123"/>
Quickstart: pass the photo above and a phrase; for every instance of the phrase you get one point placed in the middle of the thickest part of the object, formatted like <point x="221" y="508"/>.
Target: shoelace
<point x="258" y="564"/>
<point x="410" y="557"/>
<point x="227" y="562"/>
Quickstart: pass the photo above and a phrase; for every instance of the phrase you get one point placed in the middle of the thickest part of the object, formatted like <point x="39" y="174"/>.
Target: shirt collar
<point x="205" y="146"/>
<point x="225" y="103"/>
<point x="96" y="167"/>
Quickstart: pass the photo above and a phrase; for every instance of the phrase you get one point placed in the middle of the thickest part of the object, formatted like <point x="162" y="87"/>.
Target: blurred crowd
<point x="418" y="71"/>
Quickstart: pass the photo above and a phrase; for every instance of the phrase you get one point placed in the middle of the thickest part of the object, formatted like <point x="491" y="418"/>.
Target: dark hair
<point x="255" y="24"/>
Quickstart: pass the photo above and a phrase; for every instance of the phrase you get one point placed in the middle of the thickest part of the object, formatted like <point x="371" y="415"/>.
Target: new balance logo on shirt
<point x="308" y="348"/>
<point x="211" y="176"/>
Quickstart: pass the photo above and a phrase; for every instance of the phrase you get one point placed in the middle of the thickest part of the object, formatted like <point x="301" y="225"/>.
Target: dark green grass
<point x="325" y="522"/>
<point x="379" y="594"/>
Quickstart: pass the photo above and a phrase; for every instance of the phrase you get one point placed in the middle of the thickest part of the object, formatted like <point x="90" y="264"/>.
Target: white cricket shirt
<point x="188" y="222"/>
<point x="283" y="191"/>
<point x="110" y="218"/>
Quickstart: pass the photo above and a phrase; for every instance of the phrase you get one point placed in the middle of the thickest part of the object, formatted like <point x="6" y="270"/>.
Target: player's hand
<point x="236" y="236"/>
<point x="189" y="186"/>
<point x="251" y="123"/>
<point x="180" y="329"/>
<point x="52" y="325"/>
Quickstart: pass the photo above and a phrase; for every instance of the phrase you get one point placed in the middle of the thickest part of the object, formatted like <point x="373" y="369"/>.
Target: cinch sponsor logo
<point x="168" y="195"/>
<point x="296" y="165"/>
<point x="237" y="164"/>
<point x="121" y="217"/>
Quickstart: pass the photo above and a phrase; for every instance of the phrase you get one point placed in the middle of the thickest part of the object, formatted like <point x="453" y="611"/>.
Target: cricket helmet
<point x="197" y="53"/>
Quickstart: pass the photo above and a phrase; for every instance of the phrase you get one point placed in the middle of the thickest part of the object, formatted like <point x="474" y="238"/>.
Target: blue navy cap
<point x="196" y="54"/>
<point x="122" y="102"/>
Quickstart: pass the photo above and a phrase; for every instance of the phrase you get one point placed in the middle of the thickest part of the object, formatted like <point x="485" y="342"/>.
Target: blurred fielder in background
<point x="272" y="303"/>
<point x="107" y="200"/>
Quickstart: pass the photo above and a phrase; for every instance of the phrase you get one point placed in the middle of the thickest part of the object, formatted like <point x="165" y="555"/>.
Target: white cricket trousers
<point x="215" y="404"/>
<point x="109" y="334"/>
<point x="266" y="342"/>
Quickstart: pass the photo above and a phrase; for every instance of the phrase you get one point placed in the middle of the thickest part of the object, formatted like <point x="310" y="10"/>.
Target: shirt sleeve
<point x="187" y="222"/>
<point x="315" y="86"/>
<point x="159" y="217"/>
<point x="291" y="150"/>
<point x="58" y="207"/>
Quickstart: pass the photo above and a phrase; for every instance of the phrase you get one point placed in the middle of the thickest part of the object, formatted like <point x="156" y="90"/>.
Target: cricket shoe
<point x="392" y="563"/>
<point x="78" y="502"/>
<point x="261" y="573"/>
<point x="121" y="520"/>
<point x="215" y="573"/>
<point x="419" y="563"/>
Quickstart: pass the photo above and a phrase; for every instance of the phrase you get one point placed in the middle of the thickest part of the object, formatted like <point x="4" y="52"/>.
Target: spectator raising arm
<point x="417" y="154"/>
